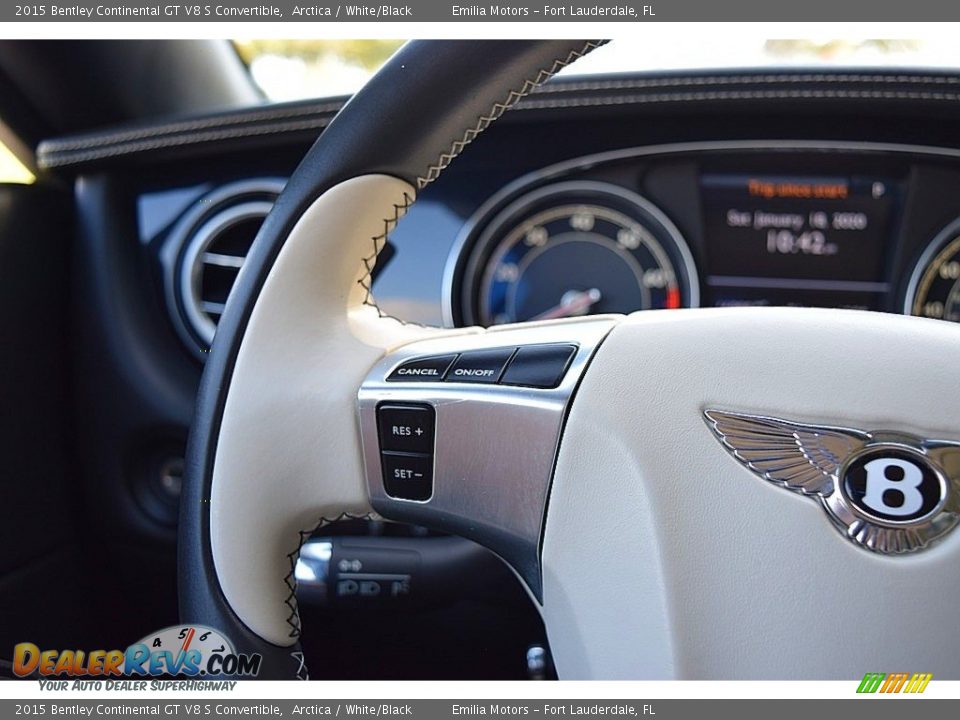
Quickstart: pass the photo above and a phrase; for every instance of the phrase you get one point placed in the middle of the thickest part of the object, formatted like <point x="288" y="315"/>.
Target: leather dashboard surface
<point x="648" y="94"/>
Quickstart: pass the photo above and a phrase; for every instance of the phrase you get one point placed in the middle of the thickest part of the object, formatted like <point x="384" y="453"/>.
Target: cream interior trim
<point x="665" y="558"/>
<point x="288" y="452"/>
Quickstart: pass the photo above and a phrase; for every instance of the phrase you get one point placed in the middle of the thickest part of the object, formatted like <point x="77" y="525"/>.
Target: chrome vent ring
<point x="206" y="251"/>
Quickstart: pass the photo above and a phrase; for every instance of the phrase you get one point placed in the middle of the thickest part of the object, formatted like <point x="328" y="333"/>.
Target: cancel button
<point x="428" y="369"/>
<point x="480" y="366"/>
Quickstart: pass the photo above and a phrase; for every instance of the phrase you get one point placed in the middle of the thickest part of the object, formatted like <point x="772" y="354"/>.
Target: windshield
<point x="295" y="69"/>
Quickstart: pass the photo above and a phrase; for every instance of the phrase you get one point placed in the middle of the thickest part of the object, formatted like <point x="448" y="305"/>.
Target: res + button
<point x="406" y="428"/>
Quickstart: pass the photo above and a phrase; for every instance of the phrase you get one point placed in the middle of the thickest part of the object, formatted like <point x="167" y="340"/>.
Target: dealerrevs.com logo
<point x="181" y="650"/>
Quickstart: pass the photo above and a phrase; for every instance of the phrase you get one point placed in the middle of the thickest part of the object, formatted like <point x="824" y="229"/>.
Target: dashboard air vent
<point x="210" y="245"/>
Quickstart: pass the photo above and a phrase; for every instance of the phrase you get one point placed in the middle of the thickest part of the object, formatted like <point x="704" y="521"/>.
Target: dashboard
<point x="631" y="193"/>
<point x="758" y="224"/>
<point x="746" y="223"/>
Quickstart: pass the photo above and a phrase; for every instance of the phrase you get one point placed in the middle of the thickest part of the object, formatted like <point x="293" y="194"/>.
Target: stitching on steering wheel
<point x="366" y="282"/>
<point x="498" y="109"/>
<point x="445" y="158"/>
<point x="293" y="620"/>
<point x="370" y="261"/>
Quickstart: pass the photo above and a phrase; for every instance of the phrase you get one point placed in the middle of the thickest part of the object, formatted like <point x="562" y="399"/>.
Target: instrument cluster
<point x="575" y="248"/>
<point x="934" y="289"/>
<point x="853" y="227"/>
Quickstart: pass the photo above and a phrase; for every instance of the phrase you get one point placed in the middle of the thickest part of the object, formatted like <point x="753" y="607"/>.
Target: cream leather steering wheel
<point x="652" y="537"/>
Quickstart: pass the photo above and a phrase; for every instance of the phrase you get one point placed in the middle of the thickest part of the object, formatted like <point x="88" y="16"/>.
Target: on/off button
<point x="480" y="366"/>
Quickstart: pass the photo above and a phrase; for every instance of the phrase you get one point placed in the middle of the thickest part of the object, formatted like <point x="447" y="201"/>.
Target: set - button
<point x="408" y="477"/>
<point x="537" y="366"/>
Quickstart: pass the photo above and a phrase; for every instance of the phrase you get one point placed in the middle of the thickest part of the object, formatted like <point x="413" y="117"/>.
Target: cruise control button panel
<point x="460" y="431"/>
<point x="480" y="366"/>
<point x="534" y="366"/>
<point x="406" y="433"/>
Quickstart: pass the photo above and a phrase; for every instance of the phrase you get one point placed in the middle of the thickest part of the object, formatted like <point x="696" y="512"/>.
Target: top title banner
<point x="328" y="11"/>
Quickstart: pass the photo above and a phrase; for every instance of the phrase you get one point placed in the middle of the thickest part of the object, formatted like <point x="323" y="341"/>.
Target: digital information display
<point x="809" y="241"/>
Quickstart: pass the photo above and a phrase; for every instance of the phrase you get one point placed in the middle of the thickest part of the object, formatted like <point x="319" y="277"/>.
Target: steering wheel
<point x="635" y="472"/>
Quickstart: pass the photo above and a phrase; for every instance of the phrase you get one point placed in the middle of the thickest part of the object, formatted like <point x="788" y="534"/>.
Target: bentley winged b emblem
<point x="889" y="492"/>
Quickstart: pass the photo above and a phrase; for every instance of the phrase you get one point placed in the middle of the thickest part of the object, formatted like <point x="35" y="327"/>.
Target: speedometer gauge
<point x="934" y="289"/>
<point x="573" y="249"/>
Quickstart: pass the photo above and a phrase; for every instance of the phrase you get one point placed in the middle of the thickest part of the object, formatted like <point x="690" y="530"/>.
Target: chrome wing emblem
<point x="802" y="458"/>
<point x="888" y="492"/>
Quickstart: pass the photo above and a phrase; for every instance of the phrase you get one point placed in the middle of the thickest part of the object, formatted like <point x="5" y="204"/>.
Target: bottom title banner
<point x="764" y="709"/>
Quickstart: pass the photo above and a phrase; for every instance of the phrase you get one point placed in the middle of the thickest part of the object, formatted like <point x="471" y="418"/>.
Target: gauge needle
<point x="573" y="302"/>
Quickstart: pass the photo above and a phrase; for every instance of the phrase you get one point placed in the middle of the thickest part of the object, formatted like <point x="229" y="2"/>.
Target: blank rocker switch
<point x="539" y="366"/>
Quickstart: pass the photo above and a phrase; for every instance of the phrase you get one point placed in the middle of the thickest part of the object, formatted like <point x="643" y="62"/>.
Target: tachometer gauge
<point x="934" y="289"/>
<point x="576" y="248"/>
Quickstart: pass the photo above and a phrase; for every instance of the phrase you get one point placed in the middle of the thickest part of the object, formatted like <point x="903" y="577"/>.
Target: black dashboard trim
<point x="306" y="118"/>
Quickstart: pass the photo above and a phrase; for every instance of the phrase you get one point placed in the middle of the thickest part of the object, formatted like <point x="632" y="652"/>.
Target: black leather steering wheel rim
<point x="409" y="122"/>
